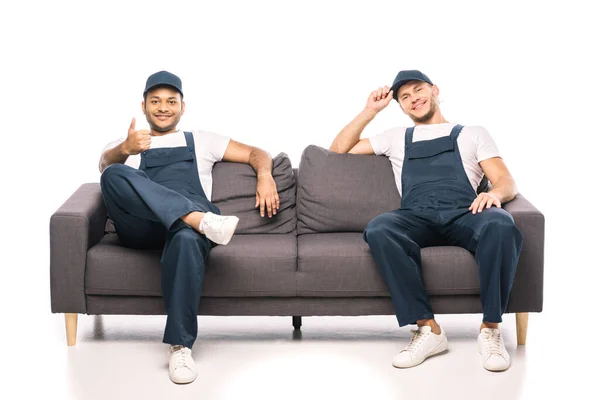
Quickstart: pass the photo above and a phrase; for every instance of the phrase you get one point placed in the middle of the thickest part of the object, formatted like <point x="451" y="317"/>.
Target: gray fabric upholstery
<point x="343" y="192"/>
<point x="528" y="287"/>
<point x="280" y="306"/>
<point x="234" y="192"/>
<point x="75" y="227"/>
<point x="341" y="265"/>
<point x="242" y="268"/>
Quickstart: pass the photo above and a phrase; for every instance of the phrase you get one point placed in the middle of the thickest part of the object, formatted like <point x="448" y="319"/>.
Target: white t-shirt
<point x="474" y="143"/>
<point x="210" y="148"/>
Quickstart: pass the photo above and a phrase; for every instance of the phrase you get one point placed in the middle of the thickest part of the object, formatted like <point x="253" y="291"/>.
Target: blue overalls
<point x="145" y="205"/>
<point x="436" y="196"/>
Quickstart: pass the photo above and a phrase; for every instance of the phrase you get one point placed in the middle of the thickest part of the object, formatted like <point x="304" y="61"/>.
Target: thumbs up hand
<point x="137" y="141"/>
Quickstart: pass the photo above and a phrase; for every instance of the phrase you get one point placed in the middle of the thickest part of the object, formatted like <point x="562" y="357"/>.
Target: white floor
<point x="122" y="357"/>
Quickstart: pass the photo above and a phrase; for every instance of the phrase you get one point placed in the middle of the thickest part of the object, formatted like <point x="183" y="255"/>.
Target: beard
<point x="432" y="110"/>
<point x="162" y="129"/>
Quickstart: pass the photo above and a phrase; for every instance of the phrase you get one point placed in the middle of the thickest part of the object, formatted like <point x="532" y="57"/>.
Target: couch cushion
<point x="250" y="265"/>
<point x="343" y="192"/>
<point x="341" y="265"/>
<point x="234" y="192"/>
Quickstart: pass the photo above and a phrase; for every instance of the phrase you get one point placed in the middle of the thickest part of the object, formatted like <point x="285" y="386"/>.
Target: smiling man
<point x="156" y="185"/>
<point x="437" y="167"/>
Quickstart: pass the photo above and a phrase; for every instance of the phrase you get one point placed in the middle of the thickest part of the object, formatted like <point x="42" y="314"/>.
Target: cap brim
<point x="397" y="85"/>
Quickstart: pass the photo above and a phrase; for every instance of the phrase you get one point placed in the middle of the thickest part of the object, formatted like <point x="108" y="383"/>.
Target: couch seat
<point x="250" y="265"/>
<point x="341" y="265"/>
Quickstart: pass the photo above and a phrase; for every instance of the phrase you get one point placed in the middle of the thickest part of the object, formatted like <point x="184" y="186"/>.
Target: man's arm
<point x="504" y="188"/>
<point x="116" y="155"/>
<point x="349" y="137"/>
<point x="136" y="142"/>
<point x="348" y="140"/>
<point x="266" y="189"/>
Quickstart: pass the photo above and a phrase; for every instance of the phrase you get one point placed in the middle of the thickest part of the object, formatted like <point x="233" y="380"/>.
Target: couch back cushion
<point x="343" y="192"/>
<point x="234" y="192"/>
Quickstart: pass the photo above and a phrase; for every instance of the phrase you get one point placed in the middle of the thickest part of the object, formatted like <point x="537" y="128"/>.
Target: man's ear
<point x="182" y="107"/>
<point x="436" y="90"/>
<point x="143" y="106"/>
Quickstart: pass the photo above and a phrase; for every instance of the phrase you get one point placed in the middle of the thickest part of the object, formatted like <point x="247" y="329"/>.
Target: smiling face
<point x="418" y="100"/>
<point x="163" y="108"/>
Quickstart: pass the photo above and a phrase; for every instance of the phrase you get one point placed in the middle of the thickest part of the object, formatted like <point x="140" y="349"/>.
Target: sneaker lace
<point x="416" y="340"/>
<point x="179" y="356"/>
<point x="493" y="342"/>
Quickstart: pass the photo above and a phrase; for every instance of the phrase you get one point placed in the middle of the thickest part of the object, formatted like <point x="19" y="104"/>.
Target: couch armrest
<point x="528" y="288"/>
<point x="75" y="227"/>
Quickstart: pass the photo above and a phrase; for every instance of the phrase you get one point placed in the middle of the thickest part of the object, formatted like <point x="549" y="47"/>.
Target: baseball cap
<point x="406" y="76"/>
<point x="161" y="78"/>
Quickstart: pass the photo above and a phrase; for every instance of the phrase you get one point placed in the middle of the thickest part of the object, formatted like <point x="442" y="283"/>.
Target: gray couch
<point x="310" y="259"/>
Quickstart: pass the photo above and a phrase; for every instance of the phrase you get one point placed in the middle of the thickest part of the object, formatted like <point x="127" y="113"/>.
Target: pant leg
<point x="183" y="261"/>
<point x="133" y="231"/>
<point x="497" y="242"/>
<point x="129" y="191"/>
<point x="396" y="239"/>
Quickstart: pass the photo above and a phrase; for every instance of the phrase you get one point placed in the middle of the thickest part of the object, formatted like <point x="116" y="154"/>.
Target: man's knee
<point x="383" y="230"/>
<point x="501" y="223"/>
<point x="376" y="229"/>
<point x="113" y="173"/>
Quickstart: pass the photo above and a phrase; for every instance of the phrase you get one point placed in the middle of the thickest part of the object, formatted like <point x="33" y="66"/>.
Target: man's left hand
<point x="484" y="200"/>
<point x="266" y="195"/>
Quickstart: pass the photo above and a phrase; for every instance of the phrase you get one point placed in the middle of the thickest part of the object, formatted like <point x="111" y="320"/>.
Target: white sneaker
<point x="424" y="343"/>
<point x="491" y="347"/>
<point x="218" y="228"/>
<point x="182" y="368"/>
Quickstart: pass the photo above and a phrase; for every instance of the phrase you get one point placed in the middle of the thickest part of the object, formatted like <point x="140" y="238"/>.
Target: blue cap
<point x="163" y="78"/>
<point x="406" y="76"/>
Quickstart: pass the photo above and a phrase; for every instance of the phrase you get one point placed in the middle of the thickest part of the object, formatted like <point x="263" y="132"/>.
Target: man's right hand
<point x="379" y="99"/>
<point x="137" y="141"/>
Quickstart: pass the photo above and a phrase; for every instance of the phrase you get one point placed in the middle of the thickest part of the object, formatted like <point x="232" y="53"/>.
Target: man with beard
<point x="157" y="185"/>
<point x="437" y="167"/>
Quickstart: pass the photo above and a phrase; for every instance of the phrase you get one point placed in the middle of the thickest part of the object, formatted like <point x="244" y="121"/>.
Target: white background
<point x="284" y="75"/>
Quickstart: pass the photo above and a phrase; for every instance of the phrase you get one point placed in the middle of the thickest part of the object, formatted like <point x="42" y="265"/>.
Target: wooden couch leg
<point x="71" y="326"/>
<point x="522" y="319"/>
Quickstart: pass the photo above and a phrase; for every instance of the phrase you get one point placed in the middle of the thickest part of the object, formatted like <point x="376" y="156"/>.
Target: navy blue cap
<point x="163" y="78"/>
<point x="406" y="76"/>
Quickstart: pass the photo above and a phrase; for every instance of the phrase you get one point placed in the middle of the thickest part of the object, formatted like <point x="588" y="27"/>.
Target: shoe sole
<point x="495" y="370"/>
<point x="440" y="348"/>
<point x="183" y="382"/>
